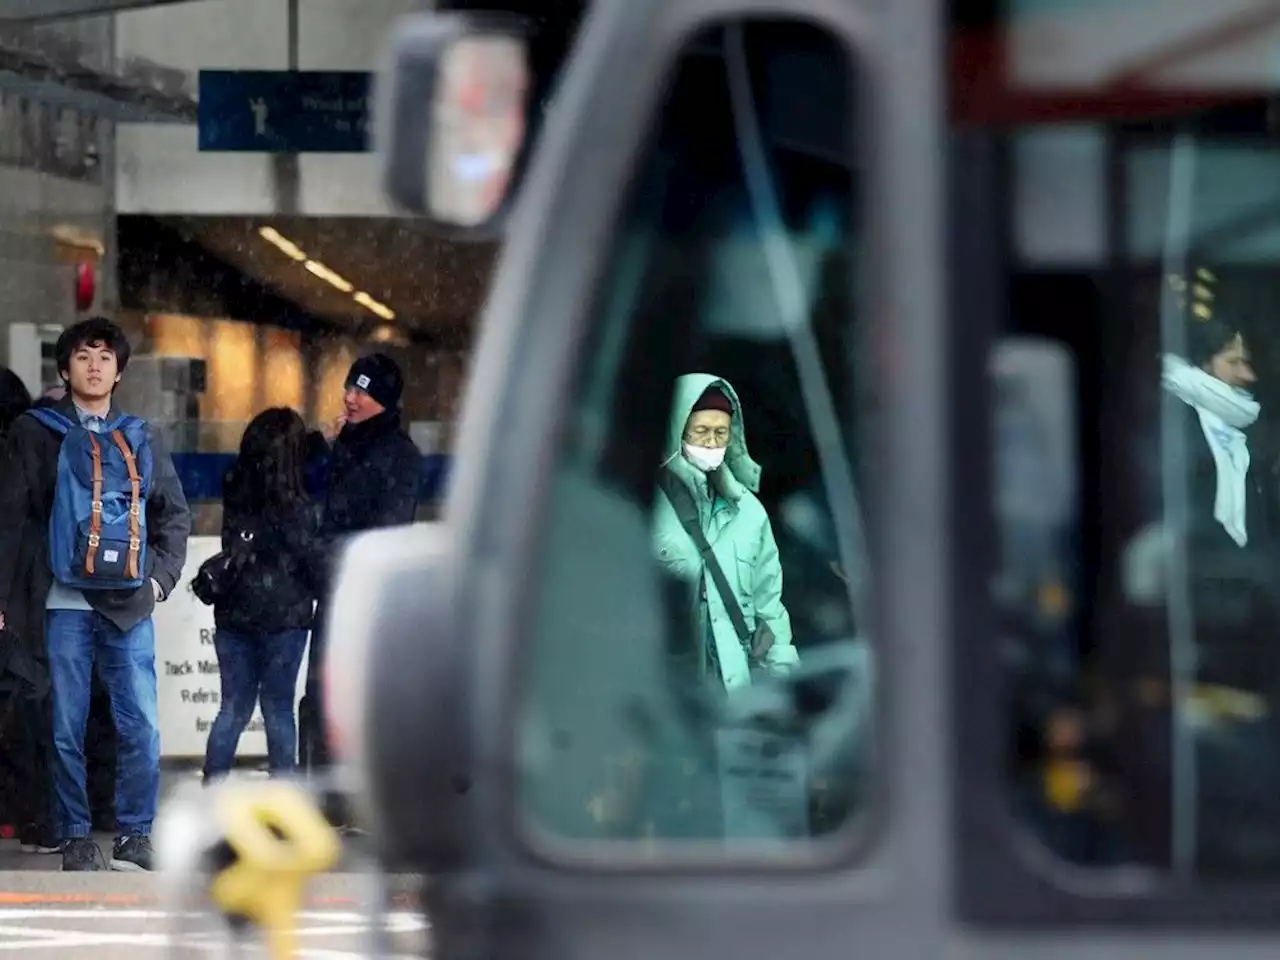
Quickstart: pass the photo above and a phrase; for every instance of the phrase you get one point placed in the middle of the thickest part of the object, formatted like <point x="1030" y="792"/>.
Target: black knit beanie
<point x="379" y="376"/>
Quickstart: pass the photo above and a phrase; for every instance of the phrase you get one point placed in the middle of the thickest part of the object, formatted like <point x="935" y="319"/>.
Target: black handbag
<point x="218" y="576"/>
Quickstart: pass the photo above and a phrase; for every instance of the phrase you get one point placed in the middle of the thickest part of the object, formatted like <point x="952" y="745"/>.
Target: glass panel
<point x="714" y="426"/>
<point x="1199" y="573"/>
<point x="1140" y="623"/>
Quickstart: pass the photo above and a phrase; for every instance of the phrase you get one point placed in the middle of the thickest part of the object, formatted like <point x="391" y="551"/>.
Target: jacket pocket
<point x="675" y="557"/>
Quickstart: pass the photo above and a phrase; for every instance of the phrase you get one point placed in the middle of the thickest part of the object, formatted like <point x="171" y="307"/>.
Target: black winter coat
<point x="371" y="480"/>
<point x="1234" y="589"/>
<point x="22" y="655"/>
<point x="373" y="477"/>
<point x="283" y="569"/>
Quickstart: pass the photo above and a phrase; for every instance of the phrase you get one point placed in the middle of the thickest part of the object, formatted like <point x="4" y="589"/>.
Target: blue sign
<point x="284" y="111"/>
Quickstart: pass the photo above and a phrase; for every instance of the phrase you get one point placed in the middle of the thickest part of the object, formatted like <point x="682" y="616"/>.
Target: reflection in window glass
<point x="1147" y="732"/>
<point x="697" y="668"/>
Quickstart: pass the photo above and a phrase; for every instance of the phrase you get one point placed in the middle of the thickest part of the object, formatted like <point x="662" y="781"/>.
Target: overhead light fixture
<point x="78" y="238"/>
<point x="373" y="306"/>
<point x="289" y="248"/>
<point x="316" y="268"/>
<point x="327" y="275"/>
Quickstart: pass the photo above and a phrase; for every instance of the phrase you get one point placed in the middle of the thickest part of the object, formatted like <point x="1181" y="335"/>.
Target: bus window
<point x="699" y="666"/>
<point x="1145" y="689"/>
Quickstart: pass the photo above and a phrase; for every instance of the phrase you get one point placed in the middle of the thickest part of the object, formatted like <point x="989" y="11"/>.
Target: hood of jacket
<point x="739" y="473"/>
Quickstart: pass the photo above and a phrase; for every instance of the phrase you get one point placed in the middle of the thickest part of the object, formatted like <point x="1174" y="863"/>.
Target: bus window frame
<point x="549" y="323"/>
<point x="1005" y="878"/>
<point x="856" y="843"/>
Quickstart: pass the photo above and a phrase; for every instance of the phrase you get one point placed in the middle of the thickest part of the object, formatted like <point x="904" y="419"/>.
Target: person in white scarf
<point x="1215" y="385"/>
<point x="1218" y="393"/>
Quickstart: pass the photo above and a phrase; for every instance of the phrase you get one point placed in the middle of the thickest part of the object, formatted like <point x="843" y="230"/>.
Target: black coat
<point x="283" y="572"/>
<point x="27" y="476"/>
<point x="23" y="663"/>
<point x="371" y="480"/>
<point x="1234" y="590"/>
<point x="373" y="477"/>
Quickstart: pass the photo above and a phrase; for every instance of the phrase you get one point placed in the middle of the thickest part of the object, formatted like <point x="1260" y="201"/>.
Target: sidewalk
<point x="171" y="777"/>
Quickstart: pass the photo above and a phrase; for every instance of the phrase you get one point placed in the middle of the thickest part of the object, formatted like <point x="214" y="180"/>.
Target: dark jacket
<point x="371" y="480"/>
<point x="22" y="666"/>
<point x="372" y="477"/>
<point x="1235" y="590"/>
<point x="27" y="479"/>
<point x="282" y="576"/>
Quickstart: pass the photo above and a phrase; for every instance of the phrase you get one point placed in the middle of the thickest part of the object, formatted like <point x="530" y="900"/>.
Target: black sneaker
<point x="81" y="853"/>
<point x="132" y="854"/>
<point x="39" y="840"/>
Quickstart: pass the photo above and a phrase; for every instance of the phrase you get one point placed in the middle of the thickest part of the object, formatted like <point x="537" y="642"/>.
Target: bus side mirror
<point x="452" y="117"/>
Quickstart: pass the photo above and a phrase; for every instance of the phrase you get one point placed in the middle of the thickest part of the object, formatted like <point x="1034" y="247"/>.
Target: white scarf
<point x="1225" y="411"/>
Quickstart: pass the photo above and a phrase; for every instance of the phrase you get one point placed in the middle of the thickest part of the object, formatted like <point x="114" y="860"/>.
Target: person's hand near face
<point x="334" y="428"/>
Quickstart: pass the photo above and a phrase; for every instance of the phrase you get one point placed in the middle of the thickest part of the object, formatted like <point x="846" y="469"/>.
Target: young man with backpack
<point x="91" y="490"/>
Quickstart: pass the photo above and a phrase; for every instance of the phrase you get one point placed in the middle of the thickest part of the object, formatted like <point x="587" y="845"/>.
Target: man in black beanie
<point x="372" y="481"/>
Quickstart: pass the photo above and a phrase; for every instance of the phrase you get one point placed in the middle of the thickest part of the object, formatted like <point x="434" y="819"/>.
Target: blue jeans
<point x="256" y="666"/>
<point x="127" y="665"/>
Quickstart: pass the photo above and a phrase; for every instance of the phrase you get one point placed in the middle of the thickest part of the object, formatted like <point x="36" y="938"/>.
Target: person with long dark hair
<point x="265" y="605"/>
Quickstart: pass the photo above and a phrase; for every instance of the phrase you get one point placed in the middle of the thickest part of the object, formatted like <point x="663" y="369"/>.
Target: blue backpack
<point x="98" y="525"/>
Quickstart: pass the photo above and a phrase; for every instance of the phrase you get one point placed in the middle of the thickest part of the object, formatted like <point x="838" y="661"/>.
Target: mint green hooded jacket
<point x="738" y="529"/>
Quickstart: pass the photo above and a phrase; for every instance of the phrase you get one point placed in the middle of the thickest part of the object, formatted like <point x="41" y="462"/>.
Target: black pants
<point x="28" y="741"/>
<point x="315" y="754"/>
<point x="28" y="737"/>
<point x="313" y="745"/>
<point x="26" y="734"/>
<point x="1237" y="797"/>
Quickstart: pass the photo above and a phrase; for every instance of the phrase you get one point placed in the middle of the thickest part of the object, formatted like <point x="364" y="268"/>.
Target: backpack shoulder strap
<point x="128" y="424"/>
<point x="687" y="511"/>
<point x="135" y="501"/>
<point x="55" y="420"/>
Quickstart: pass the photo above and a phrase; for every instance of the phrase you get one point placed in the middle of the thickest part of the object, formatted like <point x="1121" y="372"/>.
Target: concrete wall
<point x="37" y="273"/>
<point x="250" y="367"/>
<point x="160" y="169"/>
<point x="39" y="201"/>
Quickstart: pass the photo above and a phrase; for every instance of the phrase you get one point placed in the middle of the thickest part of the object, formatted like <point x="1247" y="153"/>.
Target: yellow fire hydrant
<point x="274" y="841"/>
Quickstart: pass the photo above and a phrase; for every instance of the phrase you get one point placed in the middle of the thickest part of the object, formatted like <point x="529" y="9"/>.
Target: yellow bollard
<point x="279" y="840"/>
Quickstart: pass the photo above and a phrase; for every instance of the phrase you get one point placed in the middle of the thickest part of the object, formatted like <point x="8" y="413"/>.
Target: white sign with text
<point x="187" y="669"/>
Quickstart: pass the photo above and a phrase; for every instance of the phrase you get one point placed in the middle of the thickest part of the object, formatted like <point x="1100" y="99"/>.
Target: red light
<point x="86" y="285"/>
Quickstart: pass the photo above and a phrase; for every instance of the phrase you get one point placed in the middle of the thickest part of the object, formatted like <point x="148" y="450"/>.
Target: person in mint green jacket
<point x="708" y="473"/>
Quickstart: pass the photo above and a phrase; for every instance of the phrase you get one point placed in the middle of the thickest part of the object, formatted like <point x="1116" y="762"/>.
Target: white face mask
<point x="705" y="459"/>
